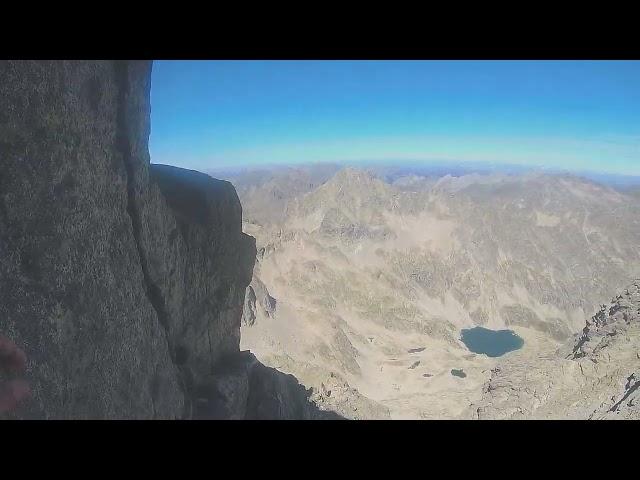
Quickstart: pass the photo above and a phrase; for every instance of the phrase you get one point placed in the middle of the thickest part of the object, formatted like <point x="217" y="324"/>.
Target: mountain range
<point x="367" y="279"/>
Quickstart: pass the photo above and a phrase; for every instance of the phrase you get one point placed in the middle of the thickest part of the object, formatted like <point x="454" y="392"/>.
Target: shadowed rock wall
<point x="122" y="281"/>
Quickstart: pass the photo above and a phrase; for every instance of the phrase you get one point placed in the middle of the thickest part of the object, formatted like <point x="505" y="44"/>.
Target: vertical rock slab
<point x="72" y="290"/>
<point x="201" y="263"/>
<point x="123" y="282"/>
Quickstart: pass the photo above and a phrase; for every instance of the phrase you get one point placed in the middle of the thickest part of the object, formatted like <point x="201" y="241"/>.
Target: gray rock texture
<point x="73" y="290"/>
<point x="122" y="281"/>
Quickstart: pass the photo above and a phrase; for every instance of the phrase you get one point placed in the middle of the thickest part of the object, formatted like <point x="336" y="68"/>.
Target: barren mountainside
<point x="372" y="281"/>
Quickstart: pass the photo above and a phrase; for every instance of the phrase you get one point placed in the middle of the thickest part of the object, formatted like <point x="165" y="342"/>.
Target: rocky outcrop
<point x="122" y="281"/>
<point x="200" y="263"/>
<point x="241" y="387"/>
<point x="336" y="395"/>
<point x="610" y="321"/>
<point x="257" y="301"/>
<point x="74" y="294"/>
<point x="595" y="375"/>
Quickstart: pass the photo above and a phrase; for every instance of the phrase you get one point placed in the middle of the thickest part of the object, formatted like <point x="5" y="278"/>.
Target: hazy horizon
<point x="569" y="115"/>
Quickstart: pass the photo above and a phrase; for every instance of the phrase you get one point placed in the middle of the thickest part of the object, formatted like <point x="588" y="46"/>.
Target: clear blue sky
<point x="575" y="115"/>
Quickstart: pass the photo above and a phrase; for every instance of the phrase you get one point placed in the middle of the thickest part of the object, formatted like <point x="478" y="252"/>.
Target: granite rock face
<point x="72" y="287"/>
<point x="199" y="263"/>
<point x="122" y="281"/>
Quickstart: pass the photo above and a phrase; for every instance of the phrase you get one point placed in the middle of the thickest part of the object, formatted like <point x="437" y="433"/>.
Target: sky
<point x="573" y="115"/>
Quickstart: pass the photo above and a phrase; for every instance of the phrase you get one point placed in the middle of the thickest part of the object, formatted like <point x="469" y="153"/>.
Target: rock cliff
<point x="122" y="281"/>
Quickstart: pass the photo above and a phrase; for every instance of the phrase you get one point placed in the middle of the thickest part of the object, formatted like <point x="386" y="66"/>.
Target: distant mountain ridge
<point x="358" y="266"/>
<point x="390" y="172"/>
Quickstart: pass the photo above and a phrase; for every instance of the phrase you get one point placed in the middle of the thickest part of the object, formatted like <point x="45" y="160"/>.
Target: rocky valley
<point x="367" y="282"/>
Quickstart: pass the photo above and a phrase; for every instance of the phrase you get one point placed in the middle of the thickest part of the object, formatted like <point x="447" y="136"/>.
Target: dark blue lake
<point x="492" y="343"/>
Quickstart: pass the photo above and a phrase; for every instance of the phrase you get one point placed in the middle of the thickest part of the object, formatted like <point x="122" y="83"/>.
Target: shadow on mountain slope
<point x="243" y="388"/>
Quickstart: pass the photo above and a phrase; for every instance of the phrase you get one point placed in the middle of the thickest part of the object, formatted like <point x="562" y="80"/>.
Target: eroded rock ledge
<point x="123" y="281"/>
